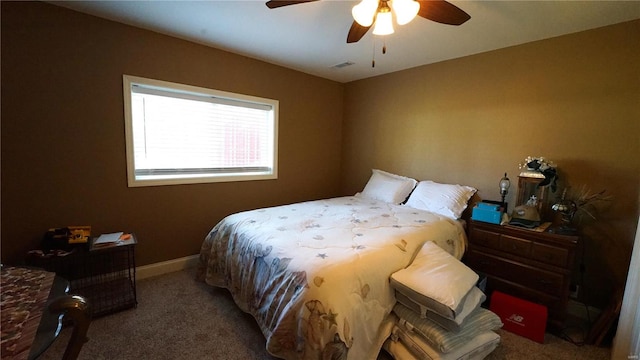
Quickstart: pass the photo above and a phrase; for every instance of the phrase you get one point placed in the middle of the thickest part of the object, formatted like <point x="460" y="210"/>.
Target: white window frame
<point x="220" y="175"/>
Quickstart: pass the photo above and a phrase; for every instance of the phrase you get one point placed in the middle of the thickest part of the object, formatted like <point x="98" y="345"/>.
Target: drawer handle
<point x="544" y="282"/>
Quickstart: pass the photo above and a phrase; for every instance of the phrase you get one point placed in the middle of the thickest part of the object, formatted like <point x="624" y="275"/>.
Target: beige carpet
<point x="180" y="318"/>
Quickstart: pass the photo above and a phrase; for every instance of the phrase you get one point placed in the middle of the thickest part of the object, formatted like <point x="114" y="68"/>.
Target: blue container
<point x="491" y="215"/>
<point x="488" y="206"/>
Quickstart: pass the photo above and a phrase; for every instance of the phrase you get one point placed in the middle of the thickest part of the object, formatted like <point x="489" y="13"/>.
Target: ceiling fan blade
<point x="272" y="4"/>
<point x="443" y="12"/>
<point x="356" y="32"/>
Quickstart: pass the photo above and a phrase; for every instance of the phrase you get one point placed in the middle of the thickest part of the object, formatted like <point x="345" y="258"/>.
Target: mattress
<point x="315" y="275"/>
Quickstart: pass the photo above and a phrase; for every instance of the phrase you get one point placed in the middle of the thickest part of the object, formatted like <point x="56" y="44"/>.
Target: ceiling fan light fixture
<point x="384" y="22"/>
<point x="405" y="10"/>
<point x="364" y="12"/>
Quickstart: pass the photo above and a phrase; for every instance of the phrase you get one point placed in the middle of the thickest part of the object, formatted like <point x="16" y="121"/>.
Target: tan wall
<point x="574" y="99"/>
<point x="63" y="151"/>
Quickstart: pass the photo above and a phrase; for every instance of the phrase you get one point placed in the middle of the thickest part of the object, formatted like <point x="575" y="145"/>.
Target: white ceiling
<point x="311" y="37"/>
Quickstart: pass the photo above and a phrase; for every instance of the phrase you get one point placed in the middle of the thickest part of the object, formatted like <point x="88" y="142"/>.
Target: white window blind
<point x="182" y="134"/>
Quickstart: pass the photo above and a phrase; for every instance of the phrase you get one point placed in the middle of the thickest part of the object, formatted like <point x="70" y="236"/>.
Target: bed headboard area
<point x="466" y="214"/>
<point x="450" y="200"/>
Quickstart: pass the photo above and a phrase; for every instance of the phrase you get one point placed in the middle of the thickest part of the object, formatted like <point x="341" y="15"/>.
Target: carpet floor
<point x="180" y="318"/>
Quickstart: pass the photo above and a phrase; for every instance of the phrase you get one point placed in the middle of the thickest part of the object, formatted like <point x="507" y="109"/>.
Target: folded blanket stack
<point x="439" y="312"/>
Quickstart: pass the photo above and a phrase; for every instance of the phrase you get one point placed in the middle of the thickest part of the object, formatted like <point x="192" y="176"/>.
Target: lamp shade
<point x="405" y="10"/>
<point x="384" y="23"/>
<point x="504" y="184"/>
<point x="364" y="12"/>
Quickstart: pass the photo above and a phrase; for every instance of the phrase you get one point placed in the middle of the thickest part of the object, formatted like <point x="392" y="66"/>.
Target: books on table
<point x="113" y="239"/>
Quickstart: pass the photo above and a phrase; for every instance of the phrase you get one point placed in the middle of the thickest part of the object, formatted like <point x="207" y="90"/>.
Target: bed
<point x="315" y="275"/>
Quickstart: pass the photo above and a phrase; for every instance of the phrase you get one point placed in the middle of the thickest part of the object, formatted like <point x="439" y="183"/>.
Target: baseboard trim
<point x="164" y="267"/>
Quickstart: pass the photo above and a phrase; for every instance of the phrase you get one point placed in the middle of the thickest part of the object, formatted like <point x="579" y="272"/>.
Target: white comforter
<point x="315" y="275"/>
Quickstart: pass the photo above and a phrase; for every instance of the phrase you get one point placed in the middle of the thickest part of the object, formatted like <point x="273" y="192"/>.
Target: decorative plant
<point x="574" y="206"/>
<point x="545" y="167"/>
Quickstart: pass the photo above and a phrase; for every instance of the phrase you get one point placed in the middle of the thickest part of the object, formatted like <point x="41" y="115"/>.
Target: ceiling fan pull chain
<point x="373" y="55"/>
<point x="384" y="47"/>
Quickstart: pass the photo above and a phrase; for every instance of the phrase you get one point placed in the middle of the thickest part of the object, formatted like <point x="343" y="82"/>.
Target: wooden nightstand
<point x="534" y="266"/>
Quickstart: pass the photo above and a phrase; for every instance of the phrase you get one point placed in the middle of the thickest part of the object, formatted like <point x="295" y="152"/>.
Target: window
<point x="180" y="134"/>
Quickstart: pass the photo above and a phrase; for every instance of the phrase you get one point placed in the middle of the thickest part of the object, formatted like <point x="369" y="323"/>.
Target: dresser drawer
<point x="516" y="246"/>
<point x="525" y="275"/>
<point x="528" y="264"/>
<point x="485" y="238"/>
<point x="550" y="254"/>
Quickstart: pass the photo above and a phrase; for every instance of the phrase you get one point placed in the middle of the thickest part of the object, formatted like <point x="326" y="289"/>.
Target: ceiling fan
<point x="439" y="11"/>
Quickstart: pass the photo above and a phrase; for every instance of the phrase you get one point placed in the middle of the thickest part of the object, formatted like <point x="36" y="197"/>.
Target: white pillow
<point x="416" y="347"/>
<point x="472" y="301"/>
<point x="444" y="199"/>
<point x="436" y="280"/>
<point x="387" y="187"/>
<point x="478" y="322"/>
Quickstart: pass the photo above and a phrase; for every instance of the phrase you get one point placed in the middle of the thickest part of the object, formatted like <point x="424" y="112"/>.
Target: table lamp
<point x="504" y="189"/>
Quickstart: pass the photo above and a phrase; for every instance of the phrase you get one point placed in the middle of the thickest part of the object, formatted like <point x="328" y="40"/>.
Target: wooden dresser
<point x="535" y="266"/>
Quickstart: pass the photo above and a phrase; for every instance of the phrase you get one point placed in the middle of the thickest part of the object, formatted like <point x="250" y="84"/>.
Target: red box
<point x="520" y="316"/>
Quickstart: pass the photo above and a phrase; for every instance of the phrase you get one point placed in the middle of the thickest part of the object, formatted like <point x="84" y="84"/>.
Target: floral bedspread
<point x="315" y="275"/>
